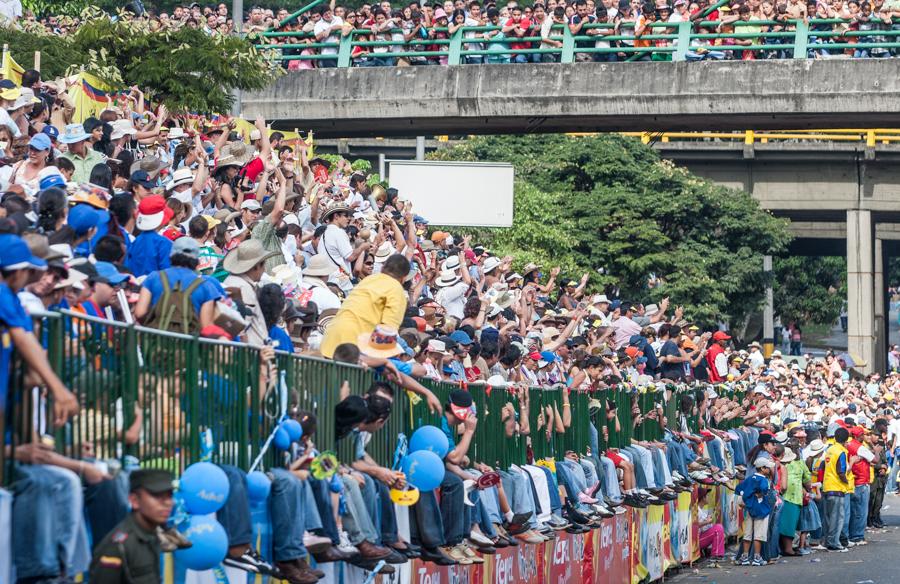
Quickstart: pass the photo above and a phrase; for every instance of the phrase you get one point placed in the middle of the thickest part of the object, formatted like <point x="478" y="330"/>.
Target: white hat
<point x="651" y="309"/>
<point x="175" y="133"/>
<point x="291" y="219"/>
<point x="781" y="437"/>
<point x="26" y="97"/>
<point x="255" y="135"/>
<point x="776" y="353"/>
<point x="122" y="128"/>
<point x="497" y="381"/>
<point x="182" y="176"/>
<point x="251" y="204"/>
<point x="450" y="264"/>
<point x="436" y="346"/>
<point x="184" y="196"/>
<point x="284" y="275"/>
<point x="600" y="299"/>
<point x="491" y="264"/>
<point x="764" y="462"/>
<point x="788" y="456"/>
<point x="448" y="278"/>
<point x="384" y="251"/>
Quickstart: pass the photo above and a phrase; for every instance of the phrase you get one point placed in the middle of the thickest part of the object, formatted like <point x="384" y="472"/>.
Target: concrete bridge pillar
<point x="881" y="309"/>
<point x="861" y="287"/>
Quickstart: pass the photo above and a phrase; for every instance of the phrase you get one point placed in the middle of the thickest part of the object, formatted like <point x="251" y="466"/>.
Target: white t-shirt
<point x="322" y="296"/>
<point x="333" y="36"/>
<point x="335" y="243"/>
<point x="453" y="299"/>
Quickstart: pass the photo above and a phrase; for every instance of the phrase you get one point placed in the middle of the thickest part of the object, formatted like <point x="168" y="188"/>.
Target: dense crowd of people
<point x="131" y="217"/>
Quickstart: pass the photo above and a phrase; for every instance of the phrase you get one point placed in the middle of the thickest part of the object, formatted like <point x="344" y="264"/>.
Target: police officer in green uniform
<point x="130" y="553"/>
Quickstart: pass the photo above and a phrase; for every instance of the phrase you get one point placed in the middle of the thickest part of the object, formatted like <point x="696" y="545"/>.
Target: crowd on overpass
<point x="253" y="241"/>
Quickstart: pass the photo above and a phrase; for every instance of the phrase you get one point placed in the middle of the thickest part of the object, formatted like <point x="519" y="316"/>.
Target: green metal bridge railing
<point x="688" y="40"/>
<point x="149" y="394"/>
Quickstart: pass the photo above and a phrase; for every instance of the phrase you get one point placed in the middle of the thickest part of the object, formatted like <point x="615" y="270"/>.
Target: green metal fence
<point x="664" y="41"/>
<point x="149" y="394"/>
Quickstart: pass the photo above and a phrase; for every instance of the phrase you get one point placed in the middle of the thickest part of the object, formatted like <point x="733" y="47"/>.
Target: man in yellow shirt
<point x="836" y="485"/>
<point x="378" y="299"/>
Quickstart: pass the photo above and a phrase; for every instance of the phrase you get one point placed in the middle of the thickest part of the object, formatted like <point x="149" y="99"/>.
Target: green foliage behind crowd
<point x="608" y="205"/>
<point x="185" y="69"/>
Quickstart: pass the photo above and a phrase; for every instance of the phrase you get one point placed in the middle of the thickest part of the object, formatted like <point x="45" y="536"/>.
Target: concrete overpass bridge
<point x="583" y="97"/>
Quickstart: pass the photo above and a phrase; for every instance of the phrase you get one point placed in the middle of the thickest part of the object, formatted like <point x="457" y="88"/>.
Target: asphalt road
<point x="875" y="563"/>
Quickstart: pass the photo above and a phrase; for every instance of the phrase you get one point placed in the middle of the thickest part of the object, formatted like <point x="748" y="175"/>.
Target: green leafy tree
<point x="186" y="69"/>
<point x="809" y="290"/>
<point x="635" y="221"/>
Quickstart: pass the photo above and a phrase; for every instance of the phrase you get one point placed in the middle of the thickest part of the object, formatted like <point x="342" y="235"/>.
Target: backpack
<point x="174" y="311"/>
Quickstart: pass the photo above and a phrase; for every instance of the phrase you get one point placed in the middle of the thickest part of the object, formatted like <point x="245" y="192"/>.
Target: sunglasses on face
<point x="255" y="211"/>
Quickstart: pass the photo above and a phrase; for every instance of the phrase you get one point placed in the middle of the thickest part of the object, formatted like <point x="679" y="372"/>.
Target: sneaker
<point x="804" y="551"/>
<point x="757" y="561"/>
<point x="860" y="542"/>
<point x="742" y="561"/>
<point x="839" y="550"/>
<point x="819" y="548"/>
<point x="251" y="562"/>
<point x="470" y="553"/>
<point x="457" y="554"/>
<point x="851" y="544"/>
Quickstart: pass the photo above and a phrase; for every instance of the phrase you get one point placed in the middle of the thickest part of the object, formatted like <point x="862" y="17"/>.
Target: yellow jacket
<point x="833" y="459"/>
<point x="377" y="299"/>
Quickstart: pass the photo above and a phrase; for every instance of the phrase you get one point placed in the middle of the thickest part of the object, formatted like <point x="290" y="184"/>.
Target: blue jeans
<point x="833" y="520"/>
<point x="859" y="512"/>
<point x="48" y="517"/>
<point x="322" y="495"/>
<point x="106" y="505"/>
<point x="359" y="524"/>
<point x="455" y="515"/>
<point x="288" y="506"/>
<point x="518" y="492"/>
<point x="381" y="509"/>
<point x="235" y="513"/>
<point x="427" y="529"/>
<point x="845" y="526"/>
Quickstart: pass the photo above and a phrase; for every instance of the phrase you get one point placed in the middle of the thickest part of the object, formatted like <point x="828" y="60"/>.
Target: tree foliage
<point x="185" y="69"/>
<point x="608" y="205"/>
<point x="809" y="289"/>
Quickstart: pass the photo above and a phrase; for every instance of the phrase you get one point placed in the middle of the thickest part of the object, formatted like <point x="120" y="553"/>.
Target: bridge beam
<point x="583" y="97"/>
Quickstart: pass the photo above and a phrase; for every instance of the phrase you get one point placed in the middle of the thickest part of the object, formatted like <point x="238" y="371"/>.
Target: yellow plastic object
<point x="405" y="497"/>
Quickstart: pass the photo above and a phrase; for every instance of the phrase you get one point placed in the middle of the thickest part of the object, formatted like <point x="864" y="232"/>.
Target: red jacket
<point x="711" y="355"/>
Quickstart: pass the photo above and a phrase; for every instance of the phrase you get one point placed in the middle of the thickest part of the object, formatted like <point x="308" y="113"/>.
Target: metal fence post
<point x="344" y="50"/>
<point x="683" y="42"/>
<point x="455" y="56"/>
<point x="130" y="385"/>
<point x="568" y="48"/>
<point x="801" y="39"/>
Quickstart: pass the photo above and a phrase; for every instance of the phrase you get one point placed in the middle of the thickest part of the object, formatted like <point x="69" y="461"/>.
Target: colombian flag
<point x="91" y="96"/>
<point x="11" y="70"/>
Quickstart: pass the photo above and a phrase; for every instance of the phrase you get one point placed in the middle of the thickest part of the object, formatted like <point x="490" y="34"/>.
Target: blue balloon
<point x="430" y="438"/>
<point x="258" y="486"/>
<point x="335" y="484"/>
<point x="204" y="488"/>
<point x="423" y="469"/>
<point x="282" y="439"/>
<point x="294" y="429"/>
<point x="210" y="544"/>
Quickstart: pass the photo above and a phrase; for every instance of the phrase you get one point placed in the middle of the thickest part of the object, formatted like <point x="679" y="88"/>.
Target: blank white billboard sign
<point x="457" y="193"/>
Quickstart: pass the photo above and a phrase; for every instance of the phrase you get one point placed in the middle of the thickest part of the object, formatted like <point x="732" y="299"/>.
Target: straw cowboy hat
<point x="233" y="154"/>
<point x="530" y="267"/>
<point x="335" y="208"/>
<point x="319" y="266"/>
<point x="152" y="165"/>
<point x="245" y="256"/>
<point x="382" y="342"/>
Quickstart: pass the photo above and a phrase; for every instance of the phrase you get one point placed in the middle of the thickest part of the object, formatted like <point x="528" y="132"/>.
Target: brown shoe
<point x="295" y="575"/>
<point x="370" y="551"/>
<point x="301" y="563"/>
<point x="332" y="554"/>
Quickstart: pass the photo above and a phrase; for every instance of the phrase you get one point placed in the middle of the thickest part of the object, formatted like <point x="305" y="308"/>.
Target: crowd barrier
<point x="170" y="388"/>
<point x="638" y="545"/>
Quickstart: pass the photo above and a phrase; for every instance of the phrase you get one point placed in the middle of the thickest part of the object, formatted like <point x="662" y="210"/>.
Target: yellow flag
<point x="90" y="96"/>
<point x="12" y="70"/>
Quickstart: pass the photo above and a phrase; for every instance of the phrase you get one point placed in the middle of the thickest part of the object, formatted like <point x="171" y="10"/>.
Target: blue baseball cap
<point x="109" y="274"/>
<point x="51" y="131"/>
<point x="52" y="180"/>
<point x="16" y="255"/>
<point x="83" y="217"/>
<point x="461" y="338"/>
<point x="549" y="357"/>
<point x="405" y="346"/>
<point x="40" y="142"/>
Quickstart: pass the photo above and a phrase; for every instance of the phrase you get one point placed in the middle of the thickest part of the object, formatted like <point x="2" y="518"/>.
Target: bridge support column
<point x="768" y="311"/>
<point x="861" y="287"/>
<point x="881" y="309"/>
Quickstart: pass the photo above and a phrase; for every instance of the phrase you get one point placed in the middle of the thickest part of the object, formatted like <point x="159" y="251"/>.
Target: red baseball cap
<point x="633" y="352"/>
<point x="857" y="431"/>
<point x="721" y="336"/>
